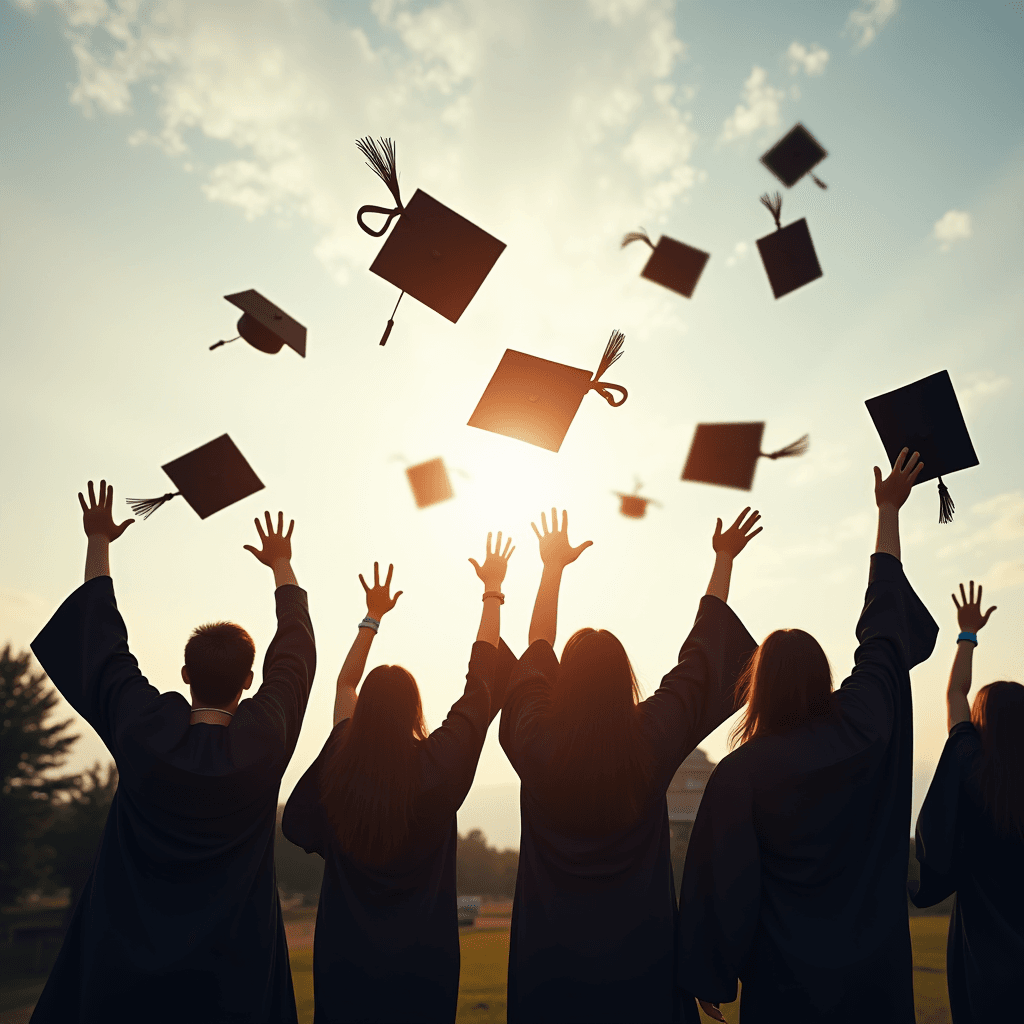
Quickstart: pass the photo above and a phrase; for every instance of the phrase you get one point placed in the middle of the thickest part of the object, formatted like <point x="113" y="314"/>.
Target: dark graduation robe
<point x="593" y="916"/>
<point x="180" y="919"/>
<point x="796" y="872"/>
<point x="386" y="946"/>
<point x="961" y="851"/>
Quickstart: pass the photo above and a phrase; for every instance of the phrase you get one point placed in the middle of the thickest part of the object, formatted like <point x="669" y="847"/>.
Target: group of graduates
<point x="795" y="881"/>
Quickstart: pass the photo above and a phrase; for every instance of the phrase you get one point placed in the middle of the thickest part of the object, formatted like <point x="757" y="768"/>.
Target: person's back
<point x="180" y="918"/>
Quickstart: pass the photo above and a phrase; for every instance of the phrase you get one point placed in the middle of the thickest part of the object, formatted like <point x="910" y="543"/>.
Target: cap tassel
<point x="612" y="352"/>
<point x="145" y="507"/>
<point x="380" y="156"/>
<point x="636" y="236"/>
<point x="774" y="204"/>
<point x="817" y="181"/>
<point x="797" y="448"/>
<point x="226" y="341"/>
<point x="391" y="323"/>
<point x="946" y="505"/>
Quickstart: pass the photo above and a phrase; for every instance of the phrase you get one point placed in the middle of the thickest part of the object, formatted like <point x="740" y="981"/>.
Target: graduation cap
<point x="429" y="482"/>
<point x="925" y="417"/>
<point x="788" y="254"/>
<point x="632" y="506"/>
<point x="265" y="326"/>
<point x="726" y="454"/>
<point x="673" y="264"/>
<point x="794" y="155"/>
<point x="433" y="254"/>
<point x="210" y="478"/>
<point x="535" y="400"/>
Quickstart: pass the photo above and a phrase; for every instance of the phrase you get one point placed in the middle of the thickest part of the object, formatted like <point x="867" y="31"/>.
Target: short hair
<point x="218" y="657"/>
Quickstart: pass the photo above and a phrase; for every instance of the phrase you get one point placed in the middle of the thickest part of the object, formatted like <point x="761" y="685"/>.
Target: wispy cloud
<point x="951" y="227"/>
<point x="866" y="21"/>
<point x="759" y="109"/>
<point x="997" y="522"/>
<point x="980" y="387"/>
<point x="811" y="61"/>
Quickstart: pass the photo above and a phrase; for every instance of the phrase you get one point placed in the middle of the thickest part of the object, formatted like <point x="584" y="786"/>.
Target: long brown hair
<point x="602" y="770"/>
<point x="371" y="777"/>
<point x="998" y="715"/>
<point x="787" y="681"/>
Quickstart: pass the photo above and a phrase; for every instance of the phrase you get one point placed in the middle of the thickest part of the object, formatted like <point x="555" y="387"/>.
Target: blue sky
<point x="160" y="155"/>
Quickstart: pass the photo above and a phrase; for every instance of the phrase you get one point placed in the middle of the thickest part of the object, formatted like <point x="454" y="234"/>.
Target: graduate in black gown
<point x="970" y="836"/>
<point x="593" y="916"/>
<point x="379" y="806"/>
<point x="180" y="919"/>
<point x="795" y="875"/>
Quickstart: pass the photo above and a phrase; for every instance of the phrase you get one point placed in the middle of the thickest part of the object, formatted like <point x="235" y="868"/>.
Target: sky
<point x="160" y="154"/>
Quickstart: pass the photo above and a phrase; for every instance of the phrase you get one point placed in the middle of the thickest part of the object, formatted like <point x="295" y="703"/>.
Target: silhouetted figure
<point x="970" y="836"/>
<point x="379" y="806"/>
<point x="594" y="910"/>
<point x="180" y="919"/>
<point x="795" y="874"/>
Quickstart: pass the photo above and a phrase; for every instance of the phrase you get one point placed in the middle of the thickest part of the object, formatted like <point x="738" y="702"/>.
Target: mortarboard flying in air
<point x="726" y="454"/>
<point x="925" y="417"/>
<point x="432" y="253"/>
<point x="632" y="506"/>
<point x="794" y="155"/>
<point x="673" y="264"/>
<point x="535" y="400"/>
<point x="429" y="482"/>
<point x="788" y="253"/>
<point x="265" y="326"/>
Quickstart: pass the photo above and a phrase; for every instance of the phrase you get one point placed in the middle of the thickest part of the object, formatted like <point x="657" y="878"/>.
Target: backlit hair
<point x="998" y="715"/>
<point x="218" y="657"/>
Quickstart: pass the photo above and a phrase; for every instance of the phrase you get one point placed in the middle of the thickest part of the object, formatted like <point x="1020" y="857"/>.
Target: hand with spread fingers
<point x="895" y="488"/>
<point x="97" y="520"/>
<point x="276" y="550"/>
<point x="969" y="615"/>
<point x="378" y="598"/>
<point x="492" y="572"/>
<point x="555" y="550"/>
<point x="735" y="539"/>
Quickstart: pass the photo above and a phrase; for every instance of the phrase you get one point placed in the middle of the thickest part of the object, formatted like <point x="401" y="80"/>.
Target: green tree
<point x="482" y="870"/>
<point x="31" y="752"/>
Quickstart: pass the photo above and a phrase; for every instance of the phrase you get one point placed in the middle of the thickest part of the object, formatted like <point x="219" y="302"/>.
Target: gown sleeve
<point x="937" y="838"/>
<point x="696" y="696"/>
<point x="528" y="696"/>
<point x="304" y="821"/>
<point x="84" y="651"/>
<point x="719" y="900"/>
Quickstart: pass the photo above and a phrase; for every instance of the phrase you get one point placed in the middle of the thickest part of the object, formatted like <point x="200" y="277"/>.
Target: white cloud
<point x="979" y="387"/>
<point x="1003" y="575"/>
<point x="739" y="252"/>
<point x="951" y="227"/>
<point x="812" y="61"/>
<point x="759" y="109"/>
<point x="866" y="21"/>
<point x="997" y="522"/>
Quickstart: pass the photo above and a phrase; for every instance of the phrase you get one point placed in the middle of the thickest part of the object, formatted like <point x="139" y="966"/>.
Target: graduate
<point x="593" y="916"/>
<point x="795" y="874"/>
<point x="970" y="835"/>
<point x="379" y="806"/>
<point x="180" y="919"/>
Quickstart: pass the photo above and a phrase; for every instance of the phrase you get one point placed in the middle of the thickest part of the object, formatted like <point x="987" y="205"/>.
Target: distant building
<point x="687" y="787"/>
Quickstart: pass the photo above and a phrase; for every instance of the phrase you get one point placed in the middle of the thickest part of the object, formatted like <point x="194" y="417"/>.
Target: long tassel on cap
<point x="636" y="236"/>
<point x="817" y="181"/>
<point x="612" y="352"/>
<point x="946" y="505"/>
<point x="391" y="323"/>
<point x="226" y="341"/>
<point x="774" y="204"/>
<point x="798" y="447"/>
<point x="380" y="158"/>
<point x="145" y="507"/>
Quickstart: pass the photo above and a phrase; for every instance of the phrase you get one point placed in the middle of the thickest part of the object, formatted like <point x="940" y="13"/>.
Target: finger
<point x="92" y="496"/>
<point x="249" y="547"/>
<point x="394" y="600"/>
<point x="103" y="493"/>
<point x="987" y="614"/>
<point x="291" y="526"/>
<point x="508" y="545"/>
<point x="897" y="466"/>
<point x="280" y="524"/>
<point x="391" y="572"/>
<point x="878" y="476"/>
<point x="565" y="521"/>
<point x="963" y="595"/>
<point x="751" y="521"/>
<point x="376" y="575"/>
<point x="509" y="555"/>
<point x="755" y="533"/>
<point x="979" y="597"/>
<point x="583" y="547"/>
<point x="718" y="527"/>
<point x="544" y="523"/>
<point x="259" y="530"/>
<point x="534" y="525"/>
<point x="110" y="505"/>
<point x="912" y="479"/>
<point x="487" y="550"/>
<point x="955" y="601"/>
<point x="361" y="580"/>
<point x="497" y="546"/>
<point x="270" y="523"/>
<point x="739" y="518"/>
<point x="81" y="501"/>
<point x="912" y="462"/>
<point x="475" y="564"/>
<point x="972" y="591"/>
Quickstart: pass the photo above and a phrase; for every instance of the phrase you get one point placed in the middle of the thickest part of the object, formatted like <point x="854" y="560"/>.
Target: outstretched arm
<point x="378" y="603"/>
<point x="970" y="618"/>
<point x="492" y="573"/>
<point x="890" y="495"/>
<point x="727" y="546"/>
<point x="277" y="550"/>
<point x="556" y="552"/>
<point x="100" y="529"/>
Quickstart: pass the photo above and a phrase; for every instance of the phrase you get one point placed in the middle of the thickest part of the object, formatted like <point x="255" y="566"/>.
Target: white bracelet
<point x="369" y="623"/>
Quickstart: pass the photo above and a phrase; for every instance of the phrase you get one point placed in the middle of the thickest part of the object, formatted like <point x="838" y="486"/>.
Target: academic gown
<point x="386" y="946"/>
<point x="796" y="871"/>
<point x="180" y="919"/>
<point x="593" y="916"/>
<point x="961" y="850"/>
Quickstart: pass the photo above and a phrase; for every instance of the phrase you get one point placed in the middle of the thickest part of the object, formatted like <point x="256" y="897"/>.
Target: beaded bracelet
<point x="494" y="593"/>
<point x="369" y="623"/>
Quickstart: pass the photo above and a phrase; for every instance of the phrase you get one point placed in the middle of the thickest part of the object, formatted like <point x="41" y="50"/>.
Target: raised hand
<point x="735" y="539"/>
<point x="492" y="572"/>
<point x="969" y="615"/>
<point x="895" y="488"/>
<point x="276" y="544"/>
<point x="97" y="520"/>
<point x="555" y="550"/>
<point x="378" y="598"/>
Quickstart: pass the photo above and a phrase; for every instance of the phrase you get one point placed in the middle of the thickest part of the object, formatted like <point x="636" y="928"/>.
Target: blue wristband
<point x="972" y="637"/>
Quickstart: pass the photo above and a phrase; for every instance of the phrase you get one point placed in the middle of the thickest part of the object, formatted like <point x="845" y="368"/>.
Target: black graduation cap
<point x="210" y="478"/>
<point x="673" y="264"/>
<point x="265" y="326"/>
<point x="429" y="482"/>
<point x="726" y="454"/>
<point x="794" y="155"/>
<point x="433" y="254"/>
<point x="535" y="400"/>
<point x="788" y="254"/>
<point x="925" y="417"/>
<point x="632" y="506"/>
